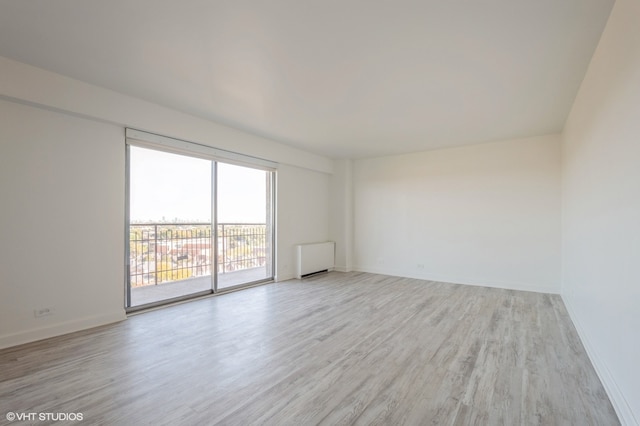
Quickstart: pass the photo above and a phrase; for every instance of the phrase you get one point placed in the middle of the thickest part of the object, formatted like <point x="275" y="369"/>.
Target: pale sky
<point x="172" y="186"/>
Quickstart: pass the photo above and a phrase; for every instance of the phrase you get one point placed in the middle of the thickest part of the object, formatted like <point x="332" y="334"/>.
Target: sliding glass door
<point x="244" y="225"/>
<point x="195" y="226"/>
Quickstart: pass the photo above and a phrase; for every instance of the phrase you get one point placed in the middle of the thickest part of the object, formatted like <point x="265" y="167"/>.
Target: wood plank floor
<point x="335" y="349"/>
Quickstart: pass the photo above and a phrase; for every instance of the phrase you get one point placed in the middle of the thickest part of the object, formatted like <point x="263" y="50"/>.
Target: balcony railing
<point x="162" y="252"/>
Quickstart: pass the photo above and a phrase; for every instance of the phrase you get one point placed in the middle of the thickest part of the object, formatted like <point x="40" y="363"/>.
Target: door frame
<point x="174" y="146"/>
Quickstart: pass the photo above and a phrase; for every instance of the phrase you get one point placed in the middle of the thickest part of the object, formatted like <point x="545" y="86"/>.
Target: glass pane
<point x="170" y="225"/>
<point x="244" y="225"/>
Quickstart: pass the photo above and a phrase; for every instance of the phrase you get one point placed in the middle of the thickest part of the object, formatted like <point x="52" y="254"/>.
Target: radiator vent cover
<point x="314" y="258"/>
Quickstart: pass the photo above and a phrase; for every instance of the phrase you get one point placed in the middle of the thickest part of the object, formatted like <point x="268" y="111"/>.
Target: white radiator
<point x="314" y="258"/>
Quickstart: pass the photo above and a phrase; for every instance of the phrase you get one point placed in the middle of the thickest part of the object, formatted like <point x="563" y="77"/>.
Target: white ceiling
<point x="347" y="78"/>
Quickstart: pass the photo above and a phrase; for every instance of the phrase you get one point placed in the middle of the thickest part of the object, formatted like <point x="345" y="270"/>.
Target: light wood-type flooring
<point x="340" y="348"/>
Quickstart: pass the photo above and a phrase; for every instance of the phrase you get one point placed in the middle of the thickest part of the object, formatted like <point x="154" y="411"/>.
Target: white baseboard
<point x="287" y="277"/>
<point x="619" y="402"/>
<point x="279" y="278"/>
<point x="462" y="280"/>
<point x="54" y="330"/>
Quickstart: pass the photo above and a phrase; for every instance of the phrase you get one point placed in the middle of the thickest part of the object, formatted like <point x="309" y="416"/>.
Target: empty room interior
<point x="285" y="212"/>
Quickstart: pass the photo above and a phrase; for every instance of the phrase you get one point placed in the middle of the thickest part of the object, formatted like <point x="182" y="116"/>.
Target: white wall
<point x="341" y="213"/>
<point x="36" y="86"/>
<point x="486" y="214"/>
<point x="62" y="169"/>
<point x="601" y="210"/>
<point x="62" y="223"/>
<point x="302" y="214"/>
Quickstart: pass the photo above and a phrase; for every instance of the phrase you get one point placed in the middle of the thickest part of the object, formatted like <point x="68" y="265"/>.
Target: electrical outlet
<point x="43" y="312"/>
<point x="420" y="265"/>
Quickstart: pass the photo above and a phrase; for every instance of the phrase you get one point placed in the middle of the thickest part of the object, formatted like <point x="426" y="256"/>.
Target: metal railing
<point x="163" y="252"/>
